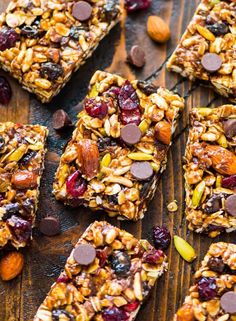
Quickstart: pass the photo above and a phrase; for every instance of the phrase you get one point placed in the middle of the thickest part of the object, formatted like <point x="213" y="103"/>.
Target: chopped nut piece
<point x="172" y="206"/>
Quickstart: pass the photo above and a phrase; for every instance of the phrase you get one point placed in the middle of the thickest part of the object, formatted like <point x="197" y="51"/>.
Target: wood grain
<point x="20" y="298"/>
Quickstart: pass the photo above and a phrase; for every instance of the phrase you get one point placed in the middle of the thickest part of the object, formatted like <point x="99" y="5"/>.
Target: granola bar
<point x="119" y="146"/>
<point x="207" y="49"/>
<point x="108" y="275"/>
<point x="42" y="42"/>
<point x="210" y="170"/>
<point x="21" y="164"/>
<point x="213" y="296"/>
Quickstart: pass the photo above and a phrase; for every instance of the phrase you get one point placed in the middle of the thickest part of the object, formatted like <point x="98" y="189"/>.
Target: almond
<point x="157" y="29"/>
<point x="11" y="265"/>
<point x="163" y="132"/>
<point x="88" y="157"/>
<point x="223" y="160"/>
<point x="24" y="180"/>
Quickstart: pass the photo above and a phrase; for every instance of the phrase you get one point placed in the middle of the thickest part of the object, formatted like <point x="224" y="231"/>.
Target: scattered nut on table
<point x="11" y="265"/>
<point x="157" y="29"/>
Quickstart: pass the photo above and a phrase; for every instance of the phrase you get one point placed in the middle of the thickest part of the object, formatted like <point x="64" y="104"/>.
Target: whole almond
<point x="88" y="157"/>
<point x="11" y="265"/>
<point x="24" y="180"/>
<point x="157" y="29"/>
<point x="163" y="132"/>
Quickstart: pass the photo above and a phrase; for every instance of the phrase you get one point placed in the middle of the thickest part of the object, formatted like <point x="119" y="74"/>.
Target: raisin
<point x="58" y="313"/>
<point x="2" y="142"/>
<point x="207" y="288"/>
<point x="161" y="237"/>
<point x="115" y="314"/>
<point x="216" y="264"/>
<point x="120" y="262"/>
<point x="76" y="31"/>
<point x="20" y="228"/>
<point x="104" y="143"/>
<point x="51" y="71"/>
<point x="8" y="38"/>
<point x="153" y="256"/>
<point x="134" y="5"/>
<point x="11" y="209"/>
<point x="5" y="91"/>
<point x="127" y="98"/>
<point x="31" y="32"/>
<point x="213" y="204"/>
<point x="218" y="29"/>
<point x="112" y="199"/>
<point x="147" y="88"/>
<point x="27" y="158"/>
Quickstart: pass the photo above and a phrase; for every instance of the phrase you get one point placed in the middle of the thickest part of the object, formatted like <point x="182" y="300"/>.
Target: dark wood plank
<point x="20" y="298"/>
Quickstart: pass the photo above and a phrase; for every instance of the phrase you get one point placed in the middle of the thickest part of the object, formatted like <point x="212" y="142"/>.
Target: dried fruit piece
<point x="197" y="193"/>
<point x="223" y="160"/>
<point x="11" y="265"/>
<point x="75" y="185"/>
<point x="216" y="264"/>
<point x="218" y="28"/>
<point x="115" y="314"/>
<point x="96" y="107"/>
<point x="8" y="38"/>
<point x="127" y="98"/>
<point x="184" y="249"/>
<point x="207" y="288"/>
<point x="157" y="29"/>
<point x="163" y="132"/>
<point x="161" y="237"/>
<point x="120" y="262"/>
<point x="20" y="228"/>
<point x="228" y="182"/>
<point x="5" y="91"/>
<point x="130" y="116"/>
<point x="31" y="32"/>
<point x="88" y="157"/>
<point x="153" y="257"/>
<point x="51" y="71"/>
<point x="134" y="5"/>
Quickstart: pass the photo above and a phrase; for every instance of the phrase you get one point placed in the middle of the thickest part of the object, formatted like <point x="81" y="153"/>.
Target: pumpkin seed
<point x="144" y="125"/>
<point x="222" y="141"/>
<point x="205" y="33"/>
<point x="140" y="156"/>
<point x="93" y="92"/>
<point x="186" y="251"/>
<point x="155" y="166"/>
<point x="105" y="162"/>
<point x="197" y="193"/>
<point x="218" y="180"/>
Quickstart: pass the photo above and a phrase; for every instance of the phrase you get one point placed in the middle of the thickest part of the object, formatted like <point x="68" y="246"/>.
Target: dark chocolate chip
<point x="136" y="56"/>
<point x="61" y="120"/>
<point x="230" y="205"/>
<point x="84" y="254"/>
<point x="229" y="127"/>
<point x="49" y="226"/>
<point x="211" y="62"/>
<point x="2" y="142"/>
<point x="141" y="170"/>
<point x="228" y="302"/>
<point x="213" y="203"/>
<point x="131" y="134"/>
<point x="82" y="10"/>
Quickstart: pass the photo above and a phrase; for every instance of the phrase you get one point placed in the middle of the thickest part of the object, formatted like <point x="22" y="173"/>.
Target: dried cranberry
<point x="146" y="87"/>
<point x="229" y="182"/>
<point x="5" y="91"/>
<point x="2" y="142"/>
<point x="115" y="314"/>
<point x="132" y="306"/>
<point x="105" y="143"/>
<point x="216" y="264"/>
<point x="134" y="5"/>
<point x="11" y="209"/>
<point x="102" y="255"/>
<point x="57" y="313"/>
<point x="63" y="279"/>
<point x="28" y="207"/>
<point x="218" y="29"/>
<point x="161" y="237"/>
<point x="51" y="71"/>
<point x="8" y="38"/>
<point x="207" y="288"/>
<point x="20" y="228"/>
<point x="114" y="90"/>
<point x="130" y="117"/>
<point x="127" y="98"/>
<point x="153" y="256"/>
<point x="120" y="262"/>
<point x="31" y="32"/>
<point x="76" y="185"/>
<point x="96" y="108"/>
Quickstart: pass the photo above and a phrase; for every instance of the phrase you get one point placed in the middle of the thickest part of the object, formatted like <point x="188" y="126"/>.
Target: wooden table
<point x="20" y="297"/>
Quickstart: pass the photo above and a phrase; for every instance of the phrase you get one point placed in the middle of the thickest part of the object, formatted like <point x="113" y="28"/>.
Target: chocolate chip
<point x="84" y="254"/>
<point x="141" y="170"/>
<point x="82" y="10"/>
<point x="229" y="127"/>
<point x="211" y="62"/>
<point x="61" y="120"/>
<point x="49" y="226"/>
<point x="213" y="203"/>
<point x="131" y="134"/>
<point x="136" y="56"/>
<point x="230" y="205"/>
<point x="228" y="302"/>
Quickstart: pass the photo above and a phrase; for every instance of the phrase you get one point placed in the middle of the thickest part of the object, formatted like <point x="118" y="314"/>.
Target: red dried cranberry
<point x="8" y="38"/>
<point x="102" y="256"/>
<point x="128" y="99"/>
<point x="132" y="306"/>
<point x="5" y="91"/>
<point x="63" y="279"/>
<point x="153" y="256"/>
<point x="134" y="5"/>
<point x="76" y="185"/>
<point x="130" y="117"/>
<point x="115" y="90"/>
<point x="20" y="228"/>
<point x="115" y="314"/>
<point x="120" y="263"/>
<point x="229" y="182"/>
<point x="96" y="108"/>
<point x="207" y="288"/>
<point x="161" y="237"/>
<point x="51" y="71"/>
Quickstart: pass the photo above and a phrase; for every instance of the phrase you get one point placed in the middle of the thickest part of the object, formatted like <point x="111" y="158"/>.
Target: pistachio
<point x="218" y="181"/>
<point x="106" y="160"/>
<point x="184" y="248"/>
<point x="144" y="125"/>
<point x="197" y="193"/>
<point x="140" y="156"/>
